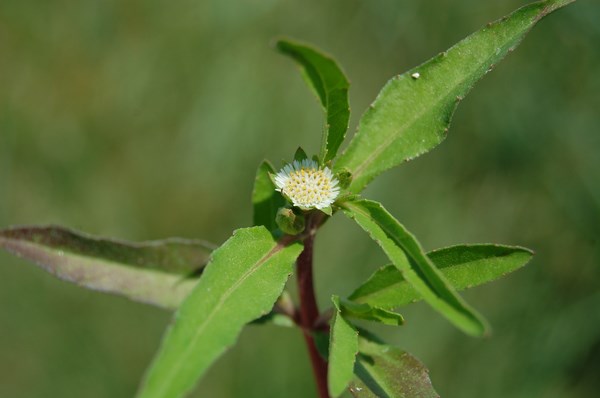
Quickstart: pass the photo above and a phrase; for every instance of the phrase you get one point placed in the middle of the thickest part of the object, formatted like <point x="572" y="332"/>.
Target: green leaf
<point x="300" y="155"/>
<point x="385" y="371"/>
<point x="406" y="254"/>
<point x="369" y="312"/>
<point x="265" y="200"/>
<point x="290" y="221"/>
<point x="330" y="85"/>
<point x="266" y="203"/>
<point x="464" y="266"/>
<point x="343" y="345"/>
<point x="412" y="113"/>
<point x="151" y="272"/>
<point x="240" y="284"/>
<point x="322" y="342"/>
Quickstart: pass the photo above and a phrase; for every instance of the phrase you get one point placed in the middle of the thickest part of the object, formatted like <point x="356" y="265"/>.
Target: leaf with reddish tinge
<point x="385" y="371"/>
<point x="154" y="272"/>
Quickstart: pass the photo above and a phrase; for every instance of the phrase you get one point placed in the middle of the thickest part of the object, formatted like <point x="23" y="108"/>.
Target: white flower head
<point x="307" y="185"/>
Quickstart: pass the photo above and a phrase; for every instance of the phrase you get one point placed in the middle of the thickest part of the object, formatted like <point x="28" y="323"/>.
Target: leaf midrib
<point x="409" y="123"/>
<point x="182" y="358"/>
<point x="145" y="265"/>
<point x="175" y="281"/>
<point x="99" y="260"/>
<point x="452" y="302"/>
<point x="395" y="285"/>
<point x="390" y="235"/>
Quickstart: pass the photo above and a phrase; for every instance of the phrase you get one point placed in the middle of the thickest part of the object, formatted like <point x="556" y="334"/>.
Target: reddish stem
<point x="309" y="312"/>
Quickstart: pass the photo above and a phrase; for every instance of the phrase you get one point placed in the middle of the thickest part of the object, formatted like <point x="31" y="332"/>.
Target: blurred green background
<point x="147" y="119"/>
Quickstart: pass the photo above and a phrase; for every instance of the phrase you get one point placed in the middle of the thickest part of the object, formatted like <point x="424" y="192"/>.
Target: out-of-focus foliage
<point x="160" y="273"/>
<point x="113" y="116"/>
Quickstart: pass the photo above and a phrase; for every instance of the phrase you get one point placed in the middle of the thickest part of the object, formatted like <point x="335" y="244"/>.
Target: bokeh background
<point x="147" y="119"/>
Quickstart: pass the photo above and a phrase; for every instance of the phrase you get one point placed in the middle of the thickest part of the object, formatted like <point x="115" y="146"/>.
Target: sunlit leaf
<point x="155" y="272"/>
<point x="265" y="200"/>
<point x="383" y="371"/>
<point x="240" y="284"/>
<point x="343" y="345"/>
<point x="330" y="85"/>
<point x="407" y="255"/>
<point x="412" y="113"/>
<point x="463" y="266"/>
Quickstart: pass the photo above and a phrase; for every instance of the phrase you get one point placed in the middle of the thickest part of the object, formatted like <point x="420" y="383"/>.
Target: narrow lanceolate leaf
<point x="386" y="371"/>
<point x="241" y="283"/>
<point x="330" y="85"/>
<point x="463" y="266"/>
<point x="412" y="113"/>
<point x="154" y="272"/>
<point x="343" y="345"/>
<point x="406" y="254"/>
<point x="369" y="312"/>
<point x="265" y="200"/>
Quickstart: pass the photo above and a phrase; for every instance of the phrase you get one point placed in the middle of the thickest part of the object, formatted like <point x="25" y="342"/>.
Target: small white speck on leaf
<point x="415" y="75"/>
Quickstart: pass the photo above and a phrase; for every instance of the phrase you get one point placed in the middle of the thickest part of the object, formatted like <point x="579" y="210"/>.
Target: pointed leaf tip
<point x="412" y="113"/>
<point x="464" y="266"/>
<point x="330" y="85"/>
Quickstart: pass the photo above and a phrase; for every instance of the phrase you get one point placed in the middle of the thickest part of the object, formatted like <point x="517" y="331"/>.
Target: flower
<point x="307" y="185"/>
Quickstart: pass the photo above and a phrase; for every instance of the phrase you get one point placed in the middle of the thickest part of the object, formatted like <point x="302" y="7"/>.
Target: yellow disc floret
<point x="307" y="185"/>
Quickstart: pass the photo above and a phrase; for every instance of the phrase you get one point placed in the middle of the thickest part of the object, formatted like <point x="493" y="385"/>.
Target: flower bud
<point x="289" y="222"/>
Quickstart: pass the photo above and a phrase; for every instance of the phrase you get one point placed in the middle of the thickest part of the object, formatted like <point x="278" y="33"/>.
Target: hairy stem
<point x="309" y="312"/>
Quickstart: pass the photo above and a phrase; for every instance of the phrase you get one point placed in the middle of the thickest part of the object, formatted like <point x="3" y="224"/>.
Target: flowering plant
<point x="217" y="291"/>
<point x="306" y="185"/>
